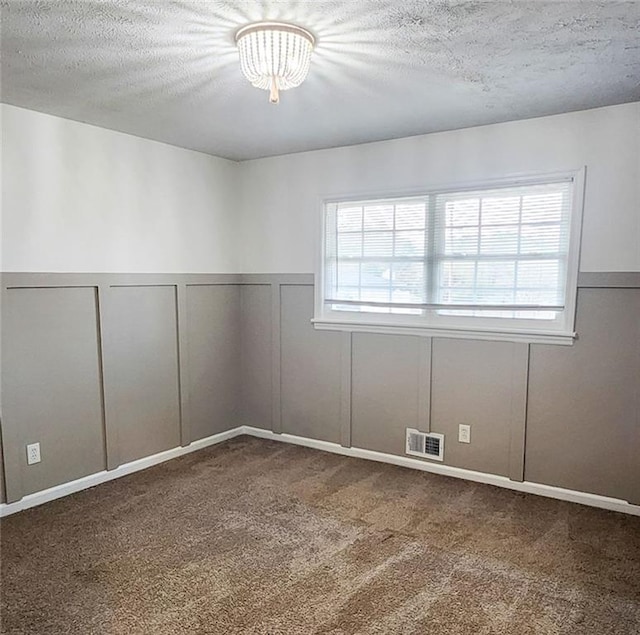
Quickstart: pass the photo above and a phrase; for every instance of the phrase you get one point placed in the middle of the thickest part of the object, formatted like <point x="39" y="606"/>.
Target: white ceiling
<point x="168" y="70"/>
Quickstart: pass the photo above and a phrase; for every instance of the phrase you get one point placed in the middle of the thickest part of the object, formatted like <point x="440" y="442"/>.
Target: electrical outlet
<point x="464" y="433"/>
<point x="33" y="453"/>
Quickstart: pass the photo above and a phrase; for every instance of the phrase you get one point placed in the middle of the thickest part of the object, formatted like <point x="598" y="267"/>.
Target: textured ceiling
<point x="168" y="70"/>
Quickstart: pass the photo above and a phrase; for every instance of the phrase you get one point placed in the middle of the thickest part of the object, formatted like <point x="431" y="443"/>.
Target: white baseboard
<point x="32" y="500"/>
<point x="583" y="498"/>
<point x="572" y="496"/>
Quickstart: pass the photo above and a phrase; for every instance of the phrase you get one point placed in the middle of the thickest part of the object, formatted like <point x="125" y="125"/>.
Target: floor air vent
<point x="429" y="445"/>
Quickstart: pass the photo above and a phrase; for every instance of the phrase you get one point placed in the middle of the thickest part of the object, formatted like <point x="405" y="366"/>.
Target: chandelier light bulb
<point x="274" y="56"/>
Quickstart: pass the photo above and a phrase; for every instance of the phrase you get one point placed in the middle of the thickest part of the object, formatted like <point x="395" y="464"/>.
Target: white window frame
<point x="464" y="327"/>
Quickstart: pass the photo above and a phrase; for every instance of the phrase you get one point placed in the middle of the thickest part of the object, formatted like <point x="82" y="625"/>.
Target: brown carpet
<point x="258" y="537"/>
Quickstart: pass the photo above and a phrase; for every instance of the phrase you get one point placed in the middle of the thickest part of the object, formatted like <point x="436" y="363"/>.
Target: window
<point x="498" y="260"/>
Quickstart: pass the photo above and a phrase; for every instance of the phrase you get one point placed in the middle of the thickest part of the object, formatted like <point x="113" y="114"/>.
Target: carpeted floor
<point x="257" y="537"/>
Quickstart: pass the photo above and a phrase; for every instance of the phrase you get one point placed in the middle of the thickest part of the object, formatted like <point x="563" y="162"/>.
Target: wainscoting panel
<point x="310" y="369"/>
<point x="141" y="360"/>
<point x="51" y="387"/>
<point x="583" y="426"/>
<point x="385" y="376"/>
<point x="472" y="384"/>
<point x="256" y="355"/>
<point x="213" y="335"/>
<point x="126" y="366"/>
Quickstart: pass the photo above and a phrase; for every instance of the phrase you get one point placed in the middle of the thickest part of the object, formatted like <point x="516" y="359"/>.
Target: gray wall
<point x="563" y="416"/>
<point x="310" y="372"/>
<point x="141" y="362"/>
<point x="213" y="362"/>
<point x="385" y="384"/>
<point x="51" y="387"/>
<point x="482" y="384"/>
<point x="256" y="356"/>
<point x="104" y="369"/>
<point x="583" y="423"/>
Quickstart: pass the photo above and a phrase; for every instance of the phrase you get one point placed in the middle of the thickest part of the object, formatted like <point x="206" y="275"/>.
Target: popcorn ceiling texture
<point x="382" y="69"/>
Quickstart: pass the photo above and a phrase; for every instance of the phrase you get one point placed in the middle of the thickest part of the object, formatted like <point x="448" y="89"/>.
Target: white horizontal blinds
<point x="499" y="252"/>
<point x="503" y="247"/>
<point x="380" y="251"/>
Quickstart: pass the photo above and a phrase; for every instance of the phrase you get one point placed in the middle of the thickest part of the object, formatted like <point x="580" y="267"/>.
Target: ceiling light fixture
<point x="274" y="56"/>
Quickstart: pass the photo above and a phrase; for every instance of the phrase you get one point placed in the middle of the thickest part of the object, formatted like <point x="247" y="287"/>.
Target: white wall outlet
<point x="464" y="433"/>
<point x="33" y="453"/>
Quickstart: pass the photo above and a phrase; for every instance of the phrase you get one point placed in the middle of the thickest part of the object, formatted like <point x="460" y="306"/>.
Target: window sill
<point x="506" y="335"/>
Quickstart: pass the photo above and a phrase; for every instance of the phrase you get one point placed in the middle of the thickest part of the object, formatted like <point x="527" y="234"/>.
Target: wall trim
<point x="507" y="335"/>
<point x="59" y="491"/>
<point x="609" y="280"/>
<point x="520" y="359"/>
<point x="346" y="371"/>
<point x="425" y="364"/>
<point x="42" y="279"/>
<point x="276" y="358"/>
<point x="586" y="279"/>
<point x="549" y="491"/>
